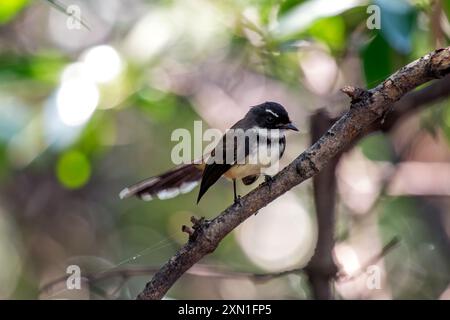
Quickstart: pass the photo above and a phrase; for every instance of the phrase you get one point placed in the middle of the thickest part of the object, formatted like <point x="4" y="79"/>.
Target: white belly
<point x="265" y="160"/>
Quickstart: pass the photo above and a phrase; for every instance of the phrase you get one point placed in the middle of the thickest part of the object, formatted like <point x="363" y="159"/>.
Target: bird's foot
<point x="237" y="201"/>
<point x="268" y="180"/>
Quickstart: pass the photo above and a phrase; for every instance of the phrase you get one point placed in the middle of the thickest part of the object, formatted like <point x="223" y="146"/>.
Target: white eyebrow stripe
<point x="270" y="111"/>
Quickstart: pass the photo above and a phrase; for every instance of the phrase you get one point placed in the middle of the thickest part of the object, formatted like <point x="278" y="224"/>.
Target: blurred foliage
<point x="9" y="9"/>
<point x="73" y="169"/>
<point x="377" y="50"/>
<point x="377" y="147"/>
<point x="398" y="19"/>
<point x="331" y="31"/>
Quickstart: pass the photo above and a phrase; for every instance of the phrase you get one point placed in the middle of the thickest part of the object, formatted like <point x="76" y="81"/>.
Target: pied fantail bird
<point x="268" y="121"/>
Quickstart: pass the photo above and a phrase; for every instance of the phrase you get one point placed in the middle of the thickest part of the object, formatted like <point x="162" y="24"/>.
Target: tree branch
<point x="366" y="107"/>
<point x="123" y="274"/>
<point x="415" y="100"/>
<point x="321" y="268"/>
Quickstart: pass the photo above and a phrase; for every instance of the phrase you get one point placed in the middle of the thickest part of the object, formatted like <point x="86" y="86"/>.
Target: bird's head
<point x="270" y="115"/>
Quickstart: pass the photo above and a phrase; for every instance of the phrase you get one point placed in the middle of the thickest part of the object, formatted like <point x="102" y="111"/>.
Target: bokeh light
<point x="280" y="237"/>
<point x="76" y="101"/>
<point x="103" y="63"/>
<point x="347" y="258"/>
<point x="73" y="169"/>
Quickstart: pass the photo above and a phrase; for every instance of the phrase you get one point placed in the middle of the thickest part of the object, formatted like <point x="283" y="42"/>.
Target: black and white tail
<point x="181" y="179"/>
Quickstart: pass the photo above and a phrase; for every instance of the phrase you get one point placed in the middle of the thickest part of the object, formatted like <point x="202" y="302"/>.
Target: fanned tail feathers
<point x="179" y="180"/>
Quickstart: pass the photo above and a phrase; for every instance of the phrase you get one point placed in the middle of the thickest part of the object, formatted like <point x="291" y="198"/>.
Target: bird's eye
<point x="270" y="119"/>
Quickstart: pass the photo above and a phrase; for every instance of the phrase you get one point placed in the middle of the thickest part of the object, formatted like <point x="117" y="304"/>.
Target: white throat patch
<point x="268" y="133"/>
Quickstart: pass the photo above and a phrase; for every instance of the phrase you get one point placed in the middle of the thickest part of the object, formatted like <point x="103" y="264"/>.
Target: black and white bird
<point x="234" y="157"/>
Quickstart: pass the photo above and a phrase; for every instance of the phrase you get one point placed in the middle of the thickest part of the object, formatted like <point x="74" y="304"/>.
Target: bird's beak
<point x="289" y="126"/>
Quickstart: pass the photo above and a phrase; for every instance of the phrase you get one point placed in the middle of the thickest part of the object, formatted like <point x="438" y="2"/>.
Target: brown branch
<point x="321" y="268"/>
<point x="416" y="100"/>
<point x="409" y="104"/>
<point x="365" y="110"/>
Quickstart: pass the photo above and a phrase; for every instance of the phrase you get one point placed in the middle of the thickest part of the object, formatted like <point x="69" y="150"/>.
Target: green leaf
<point x="377" y="147"/>
<point x="4" y="164"/>
<point x="303" y="15"/>
<point x="330" y="30"/>
<point x="265" y="9"/>
<point x="10" y="8"/>
<point x="376" y="59"/>
<point x="287" y="5"/>
<point x="43" y="67"/>
<point x="446" y="7"/>
<point x="73" y="169"/>
<point x="398" y="19"/>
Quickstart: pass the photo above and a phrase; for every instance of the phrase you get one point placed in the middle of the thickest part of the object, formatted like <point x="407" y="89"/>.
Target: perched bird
<point x="237" y="156"/>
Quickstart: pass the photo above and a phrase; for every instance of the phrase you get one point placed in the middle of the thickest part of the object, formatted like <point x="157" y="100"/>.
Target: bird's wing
<point x="232" y="150"/>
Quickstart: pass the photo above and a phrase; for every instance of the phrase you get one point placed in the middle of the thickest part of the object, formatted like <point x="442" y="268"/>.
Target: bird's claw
<point x="268" y="180"/>
<point x="237" y="201"/>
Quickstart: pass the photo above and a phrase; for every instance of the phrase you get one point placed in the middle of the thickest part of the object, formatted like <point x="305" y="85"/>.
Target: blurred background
<point x="88" y="108"/>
